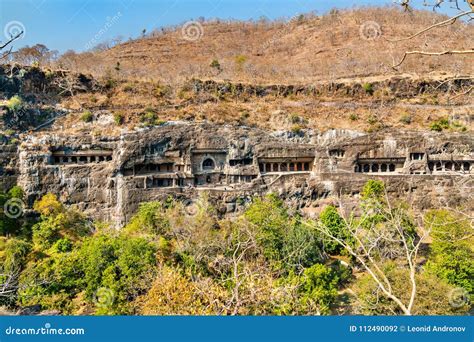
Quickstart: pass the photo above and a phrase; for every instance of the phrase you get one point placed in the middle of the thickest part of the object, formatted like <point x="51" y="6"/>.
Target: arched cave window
<point x="208" y="164"/>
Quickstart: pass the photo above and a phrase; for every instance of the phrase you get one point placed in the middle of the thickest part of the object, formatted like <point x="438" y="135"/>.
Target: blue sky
<point x="72" y="24"/>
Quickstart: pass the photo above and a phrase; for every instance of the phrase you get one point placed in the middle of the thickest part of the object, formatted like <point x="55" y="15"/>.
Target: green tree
<point x="150" y="220"/>
<point x="336" y="226"/>
<point x="271" y="220"/>
<point x="319" y="288"/>
<point x="432" y="294"/>
<point x="451" y="251"/>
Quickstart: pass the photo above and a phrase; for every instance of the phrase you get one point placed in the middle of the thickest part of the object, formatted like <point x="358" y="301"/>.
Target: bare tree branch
<point x="449" y="21"/>
<point x="11" y="40"/>
<point x="427" y="53"/>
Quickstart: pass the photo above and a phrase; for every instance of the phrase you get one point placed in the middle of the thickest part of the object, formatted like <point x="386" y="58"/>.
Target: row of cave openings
<point x="284" y="167"/>
<point x="197" y="181"/>
<point x="369" y="168"/>
<point x="81" y="159"/>
<point x="434" y="167"/>
<point x="446" y="166"/>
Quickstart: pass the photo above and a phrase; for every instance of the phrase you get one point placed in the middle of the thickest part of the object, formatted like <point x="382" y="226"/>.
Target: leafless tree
<point x="9" y="283"/>
<point x="372" y="244"/>
<point x="465" y="9"/>
<point x="7" y="43"/>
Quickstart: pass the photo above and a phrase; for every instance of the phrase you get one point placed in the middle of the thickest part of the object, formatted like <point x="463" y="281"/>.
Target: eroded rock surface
<point x="108" y="177"/>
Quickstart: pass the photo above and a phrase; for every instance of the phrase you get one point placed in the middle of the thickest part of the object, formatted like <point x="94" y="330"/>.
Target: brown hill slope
<point x="304" y="49"/>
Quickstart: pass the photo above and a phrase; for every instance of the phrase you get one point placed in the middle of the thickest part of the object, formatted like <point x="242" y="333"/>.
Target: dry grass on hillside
<point x="305" y="49"/>
<point x="134" y="101"/>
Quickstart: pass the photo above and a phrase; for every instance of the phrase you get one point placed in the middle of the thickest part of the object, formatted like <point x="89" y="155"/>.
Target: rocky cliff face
<point x="109" y="177"/>
<point x="107" y="170"/>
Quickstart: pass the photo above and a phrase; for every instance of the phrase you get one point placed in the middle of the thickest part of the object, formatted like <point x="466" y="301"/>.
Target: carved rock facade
<point x="109" y="177"/>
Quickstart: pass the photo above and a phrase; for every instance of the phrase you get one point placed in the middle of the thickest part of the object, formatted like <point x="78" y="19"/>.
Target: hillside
<point x="340" y="44"/>
<point x="231" y="168"/>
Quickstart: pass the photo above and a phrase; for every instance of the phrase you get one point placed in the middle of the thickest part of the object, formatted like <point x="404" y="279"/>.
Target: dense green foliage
<point x="182" y="258"/>
<point x="432" y="295"/>
<point x="336" y="226"/>
<point x="11" y="225"/>
<point x="452" y="249"/>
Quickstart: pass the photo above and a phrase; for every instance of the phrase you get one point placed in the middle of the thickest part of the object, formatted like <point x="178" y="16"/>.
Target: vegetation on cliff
<point x="173" y="258"/>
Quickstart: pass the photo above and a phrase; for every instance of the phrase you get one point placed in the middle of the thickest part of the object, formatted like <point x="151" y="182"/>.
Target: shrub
<point x="451" y="252"/>
<point x="119" y="118"/>
<point x="87" y="116"/>
<point x="270" y="218"/>
<point x="15" y="103"/>
<point x="406" y="119"/>
<point x="173" y="293"/>
<point x="373" y="189"/>
<point x="105" y="271"/>
<point x="129" y="87"/>
<point x="368" y="87"/>
<point x="244" y="115"/>
<point x="372" y="120"/>
<point x="148" y="118"/>
<point x="319" y="287"/>
<point x="240" y="61"/>
<point x="301" y="245"/>
<point x="16" y="192"/>
<point x="354" y="117"/>
<point x="63" y="245"/>
<point x="335" y="225"/>
<point x="11" y="225"/>
<point x="435" y="126"/>
<point x="161" y="91"/>
<point x="215" y="65"/>
<point x="296" y="129"/>
<point x="48" y="205"/>
<point x="295" y="119"/>
<point x="444" y="122"/>
<point x="109" y="83"/>
<point x="439" y="125"/>
<point x="122" y="266"/>
<point x="150" y="220"/>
